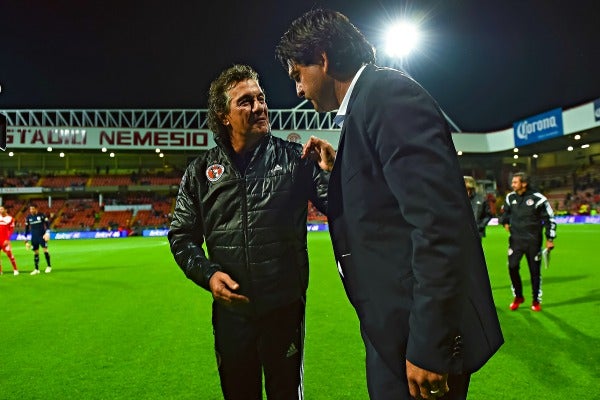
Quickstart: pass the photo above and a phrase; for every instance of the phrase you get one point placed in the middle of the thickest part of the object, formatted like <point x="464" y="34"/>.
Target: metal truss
<point x="292" y="119"/>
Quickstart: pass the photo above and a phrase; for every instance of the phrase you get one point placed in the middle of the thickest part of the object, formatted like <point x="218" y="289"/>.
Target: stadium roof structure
<point x="580" y="123"/>
<point x="292" y="119"/>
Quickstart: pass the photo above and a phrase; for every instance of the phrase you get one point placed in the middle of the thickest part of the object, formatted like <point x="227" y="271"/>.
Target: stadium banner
<point x="597" y="110"/>
<point x="155" y="232"/>
<point x="164" y="232"/>
<point x="567" y="219"/>
<point x="77" y="235"/>
<point x="577" y="219"/>
<point x="21" y="190"/>
<point x="539" y="127"/>
<point x="108" y="139"/>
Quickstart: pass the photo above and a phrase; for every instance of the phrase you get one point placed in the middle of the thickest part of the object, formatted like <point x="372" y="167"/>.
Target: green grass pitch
<point x="117" y="319"/>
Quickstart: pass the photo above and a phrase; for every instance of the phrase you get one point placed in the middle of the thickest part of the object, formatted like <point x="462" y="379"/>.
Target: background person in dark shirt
<point x="38" y="225"/>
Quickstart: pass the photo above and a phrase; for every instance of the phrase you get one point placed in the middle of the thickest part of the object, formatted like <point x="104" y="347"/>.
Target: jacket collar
<point x="365" y="76"/>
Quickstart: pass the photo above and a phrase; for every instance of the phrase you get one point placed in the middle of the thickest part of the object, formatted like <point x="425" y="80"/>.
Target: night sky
<point x="487" y="66"/>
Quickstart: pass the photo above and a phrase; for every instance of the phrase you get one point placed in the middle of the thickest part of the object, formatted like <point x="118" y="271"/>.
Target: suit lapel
<point x="334" y="192"/>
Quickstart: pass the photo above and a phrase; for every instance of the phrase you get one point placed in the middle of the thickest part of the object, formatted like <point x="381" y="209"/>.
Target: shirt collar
<point x="341" y="113"/>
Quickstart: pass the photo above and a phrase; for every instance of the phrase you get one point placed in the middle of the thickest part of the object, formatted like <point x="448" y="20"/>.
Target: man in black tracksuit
<point x="247" y="199"/>
<point x="526" y="214"/>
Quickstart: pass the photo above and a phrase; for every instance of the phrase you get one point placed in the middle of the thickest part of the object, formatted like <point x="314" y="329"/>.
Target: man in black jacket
<point x="406" y="244"/>
<point x="246" y="199"/>
<point x="479" y="205"/>
<point x="525" y="214"/>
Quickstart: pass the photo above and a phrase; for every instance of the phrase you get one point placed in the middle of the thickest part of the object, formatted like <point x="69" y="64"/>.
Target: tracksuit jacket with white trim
<point x="528" y="214"/>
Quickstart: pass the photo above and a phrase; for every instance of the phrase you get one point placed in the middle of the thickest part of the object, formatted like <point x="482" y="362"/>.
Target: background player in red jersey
<point x="7" y="226"/>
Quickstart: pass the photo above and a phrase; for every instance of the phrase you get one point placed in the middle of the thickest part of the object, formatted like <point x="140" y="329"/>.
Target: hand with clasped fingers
<point x="320" y="151"/>
<point x="222" y="288"/>
<point x="424" y="384"/>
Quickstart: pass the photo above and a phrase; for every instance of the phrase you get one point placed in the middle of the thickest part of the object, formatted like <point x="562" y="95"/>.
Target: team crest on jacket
<point x="215" y="172"/>
<point x="529" y="202"/>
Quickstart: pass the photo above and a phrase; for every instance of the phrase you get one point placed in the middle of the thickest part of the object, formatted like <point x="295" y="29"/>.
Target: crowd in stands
<point x="28" y="180"/>
<point x="87" y="180"/>
<point x="572" y="191"/>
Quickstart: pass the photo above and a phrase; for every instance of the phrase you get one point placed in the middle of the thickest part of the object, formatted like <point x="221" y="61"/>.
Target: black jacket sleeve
<point x="186" y="234"/>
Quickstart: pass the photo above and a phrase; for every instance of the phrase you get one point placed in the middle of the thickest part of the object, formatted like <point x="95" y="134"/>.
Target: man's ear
<point x="323" y="60"/>
<point x="331" y="68"/>
<point x="224" y="119"/>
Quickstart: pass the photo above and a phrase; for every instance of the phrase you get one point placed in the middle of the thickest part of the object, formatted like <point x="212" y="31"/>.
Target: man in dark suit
<point x="406" y="244"/>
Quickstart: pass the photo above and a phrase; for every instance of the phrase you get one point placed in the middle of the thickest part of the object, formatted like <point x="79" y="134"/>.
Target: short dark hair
<point x="218" y="98"/>
<point x="328" y="31"/>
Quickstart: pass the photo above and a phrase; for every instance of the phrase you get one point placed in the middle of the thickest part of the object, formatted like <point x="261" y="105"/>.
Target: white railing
<point x="292" y="119"/>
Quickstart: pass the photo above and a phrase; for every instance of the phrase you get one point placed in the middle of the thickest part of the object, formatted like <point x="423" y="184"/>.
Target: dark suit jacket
<point x="403" y="232"/>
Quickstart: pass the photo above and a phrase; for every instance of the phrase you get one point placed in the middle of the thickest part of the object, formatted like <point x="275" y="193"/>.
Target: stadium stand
<point x="63" y="181"/>
<point x="114" y="220"/>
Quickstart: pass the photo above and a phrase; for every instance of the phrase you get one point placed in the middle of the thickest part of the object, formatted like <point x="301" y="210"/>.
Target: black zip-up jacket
<point x="481" y="212"/>
<point x="253" y="223"/>
<point x="527" y="215"/>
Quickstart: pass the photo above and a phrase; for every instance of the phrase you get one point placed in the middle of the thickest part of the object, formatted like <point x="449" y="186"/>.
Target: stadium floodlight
<point x="401" y="39"/>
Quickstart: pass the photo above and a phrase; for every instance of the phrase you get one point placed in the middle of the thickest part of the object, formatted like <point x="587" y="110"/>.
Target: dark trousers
<point x="531" y="251"/>
<point x="272" y="344"/>
<point x="384" y="384"/>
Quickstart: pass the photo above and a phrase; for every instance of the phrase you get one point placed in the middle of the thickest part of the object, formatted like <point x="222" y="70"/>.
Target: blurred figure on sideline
<point x="480" y="205"/>
<point x="247" y="200"/>
<point x="7" y="227"/>
<point x="406" y="244"/>
<point x="526" y="213"/>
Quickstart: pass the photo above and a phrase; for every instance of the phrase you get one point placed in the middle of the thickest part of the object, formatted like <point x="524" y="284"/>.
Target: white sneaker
<point x="15" y="272"/>
<point x="35" y="272"/>
<point x="48" y="270"/>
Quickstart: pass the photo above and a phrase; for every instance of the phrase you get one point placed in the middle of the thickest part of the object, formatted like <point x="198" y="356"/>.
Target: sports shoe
<point x="536" y="306"/>
<point x="48" y="270"/>
<point x="35" y="272"/>
<point x="516" y="303"/>
<point x="15" y="272"/>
